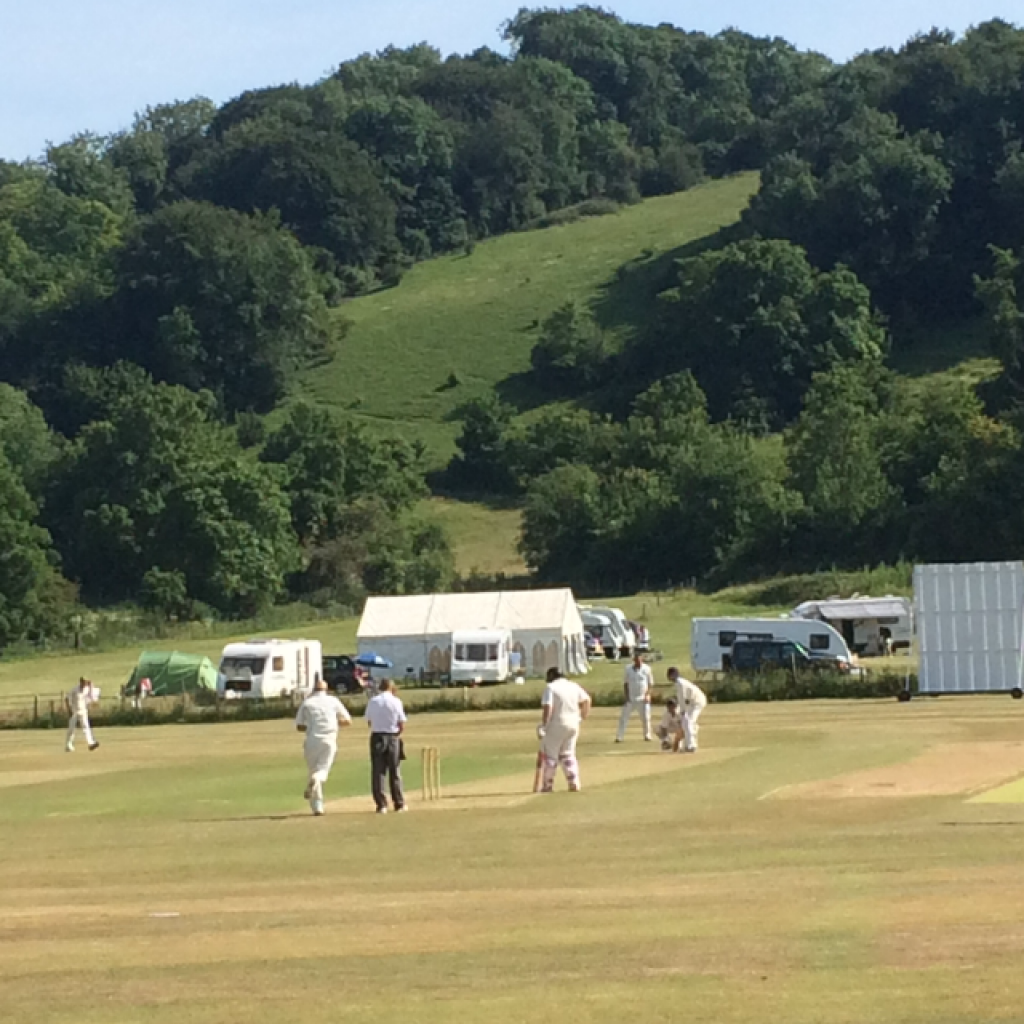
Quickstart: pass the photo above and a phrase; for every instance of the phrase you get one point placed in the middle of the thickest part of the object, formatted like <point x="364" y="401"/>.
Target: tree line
<point x="161" y="287"/>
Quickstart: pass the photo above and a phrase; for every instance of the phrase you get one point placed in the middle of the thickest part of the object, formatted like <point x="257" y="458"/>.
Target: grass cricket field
<point x="820" y="862"/>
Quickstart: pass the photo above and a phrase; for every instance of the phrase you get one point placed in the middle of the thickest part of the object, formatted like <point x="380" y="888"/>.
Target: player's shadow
<point x="256" y="817"/>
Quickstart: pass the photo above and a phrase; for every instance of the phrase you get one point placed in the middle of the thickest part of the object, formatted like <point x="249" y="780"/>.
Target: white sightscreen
<point x="969" y="626"/>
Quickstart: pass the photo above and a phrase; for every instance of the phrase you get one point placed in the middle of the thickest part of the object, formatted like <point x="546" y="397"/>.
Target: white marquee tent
<point x="415" y="633"/>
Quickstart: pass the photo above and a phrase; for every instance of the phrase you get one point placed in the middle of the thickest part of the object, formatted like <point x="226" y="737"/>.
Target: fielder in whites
<point x="671" y="727"/>
<point x="77" y="702"/>
<point x="637" y="688"/>
<point x="320" y="716"/>
<point x="564" y="705"/>
<point x="692" y="702"/>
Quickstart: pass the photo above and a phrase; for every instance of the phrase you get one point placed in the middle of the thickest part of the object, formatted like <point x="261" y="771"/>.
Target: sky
<point x="68" y="66"/>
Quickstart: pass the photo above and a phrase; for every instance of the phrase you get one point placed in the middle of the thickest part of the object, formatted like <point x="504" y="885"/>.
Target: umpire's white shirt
<point x="385" y="713"/>
<point x="320" y="714"/>
<point x="639" y="681"/>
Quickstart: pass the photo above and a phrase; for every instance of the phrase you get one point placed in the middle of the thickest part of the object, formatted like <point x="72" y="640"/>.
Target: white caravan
<point x="480" y="655"/>
<point x="712" y="639"/>
<point x="269" y="668"/>
<point x="616" y="636"/>
<point x="869" y="625"/>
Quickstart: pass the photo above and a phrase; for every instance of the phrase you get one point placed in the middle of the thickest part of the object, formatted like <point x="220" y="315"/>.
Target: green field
<point x="474" y="316"/>
<point x="175" y="876"/>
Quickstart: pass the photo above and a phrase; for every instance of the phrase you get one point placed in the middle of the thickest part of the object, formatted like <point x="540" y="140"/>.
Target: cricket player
<point x="671" y="727"/>
<point x="320" y="716"/>
<point x="386" y="718"/>
<point x="692" y="702"/>
<point x="77" y="702"/>
<point x="564" y="705"/>
<point x="637" y="688"/>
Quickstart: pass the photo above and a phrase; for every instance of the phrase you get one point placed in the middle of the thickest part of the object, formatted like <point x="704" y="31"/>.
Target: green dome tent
<point x="172" y="672"/>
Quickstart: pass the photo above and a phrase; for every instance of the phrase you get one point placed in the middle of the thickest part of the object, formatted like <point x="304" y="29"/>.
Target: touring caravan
<point x="869" y="625"/>
<point x="269" y="668"/>
<point x="480" y="655"/>
<point x="712" y="639"/>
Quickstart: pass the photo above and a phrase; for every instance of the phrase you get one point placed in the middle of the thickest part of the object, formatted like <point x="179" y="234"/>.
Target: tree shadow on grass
<point x="629" y="298"/>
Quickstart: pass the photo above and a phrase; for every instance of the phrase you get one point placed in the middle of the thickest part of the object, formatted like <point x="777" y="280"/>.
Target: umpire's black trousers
<point x="385" y="760"/>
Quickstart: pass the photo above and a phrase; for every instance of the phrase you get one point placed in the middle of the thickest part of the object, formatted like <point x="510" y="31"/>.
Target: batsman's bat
<point x="537" y="771"/>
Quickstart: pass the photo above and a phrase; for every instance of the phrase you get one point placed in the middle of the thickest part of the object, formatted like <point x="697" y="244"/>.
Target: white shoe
<point x="69" y="749"/>
<point x="317" y="807"/>
<point x="382" y="810"/>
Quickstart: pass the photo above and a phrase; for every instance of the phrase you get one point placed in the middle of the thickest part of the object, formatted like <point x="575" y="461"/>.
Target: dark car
<point x="765" y="655"/>
<point x="342" y="674"/>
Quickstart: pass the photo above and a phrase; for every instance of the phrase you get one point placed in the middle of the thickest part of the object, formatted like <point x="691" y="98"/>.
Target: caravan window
<point x="278" y="665"/>
<point x="476" y="652"/>
<point x="888" y="621"/>
<point x="726" y="638"/>
<point x="252" y="666"/>
<point x="820" y="641"/>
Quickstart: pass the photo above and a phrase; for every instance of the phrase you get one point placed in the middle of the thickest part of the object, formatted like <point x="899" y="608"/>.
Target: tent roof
<point x="430" y="614"/>
<point x="855" y="608"/>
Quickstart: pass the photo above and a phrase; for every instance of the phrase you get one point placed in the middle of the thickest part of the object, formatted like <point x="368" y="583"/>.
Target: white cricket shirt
<point x="320" y="713"/>
<point x="673" y="723"/>
<point x="385" y="713"/>
<point x="639" y="681"/>
<point x="81" y="699"/>
<point x="564" y="697"/>
<point x="689" y="695"/>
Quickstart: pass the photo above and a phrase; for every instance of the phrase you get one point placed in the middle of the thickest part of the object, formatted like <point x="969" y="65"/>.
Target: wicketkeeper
<point x="320" y="716"/>
<point x="564" y="705"/>
<point x="671" y="727"/>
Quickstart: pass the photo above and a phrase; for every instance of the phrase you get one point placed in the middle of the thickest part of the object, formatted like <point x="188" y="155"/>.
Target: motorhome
<point x="712" y="639"/>
<point x="870" y="626"/>
<point x="269" y="668"/>
<point x="617" y="637"/>
<point x="480" y="655"/>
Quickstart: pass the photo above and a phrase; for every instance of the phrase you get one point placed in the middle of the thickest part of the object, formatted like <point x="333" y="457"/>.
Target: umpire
<point x="386" y="719"/>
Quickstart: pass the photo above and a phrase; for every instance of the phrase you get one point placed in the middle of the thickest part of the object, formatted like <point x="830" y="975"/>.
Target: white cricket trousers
<point x="320" y="756"/>
<point x="644" y="710"/>
<point x="690" y="726"/>
<point x="78" y="720"/>
<point x="559" y="748"/>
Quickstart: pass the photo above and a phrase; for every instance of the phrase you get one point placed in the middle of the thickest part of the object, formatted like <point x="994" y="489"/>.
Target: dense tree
<point x="158" y="484"/>
<point x="755" y="321"/>
<point x="33" y="596"/>
<point x="26" y="440"/>
<point x="329" y="463"/>
<point x="210" y="298"/>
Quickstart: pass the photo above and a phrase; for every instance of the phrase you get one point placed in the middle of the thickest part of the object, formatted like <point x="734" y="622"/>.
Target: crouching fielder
<point x="564" y="705"/>
<point x="692" y="701"/>
<point x="320" y="716"/>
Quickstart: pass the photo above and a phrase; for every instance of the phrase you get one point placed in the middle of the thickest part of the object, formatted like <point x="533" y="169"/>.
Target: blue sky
<point x="75" y="65"/>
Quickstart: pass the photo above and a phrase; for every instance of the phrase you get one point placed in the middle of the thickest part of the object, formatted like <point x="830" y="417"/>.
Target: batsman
<point x="564" y="705"/>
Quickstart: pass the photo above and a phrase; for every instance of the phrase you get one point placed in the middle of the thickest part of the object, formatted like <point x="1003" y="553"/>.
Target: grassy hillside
<point x="474" y="316"/>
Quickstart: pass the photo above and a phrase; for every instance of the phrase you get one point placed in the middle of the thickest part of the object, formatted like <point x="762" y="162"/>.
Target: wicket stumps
<point x="431" y="773"/>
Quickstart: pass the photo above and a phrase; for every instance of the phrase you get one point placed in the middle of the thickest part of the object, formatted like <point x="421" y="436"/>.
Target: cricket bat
<point x="537" y="771"/>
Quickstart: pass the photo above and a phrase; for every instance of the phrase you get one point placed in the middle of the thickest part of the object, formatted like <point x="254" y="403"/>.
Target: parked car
<point x="761" y="655"/>
<point x="342" y="674"/>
